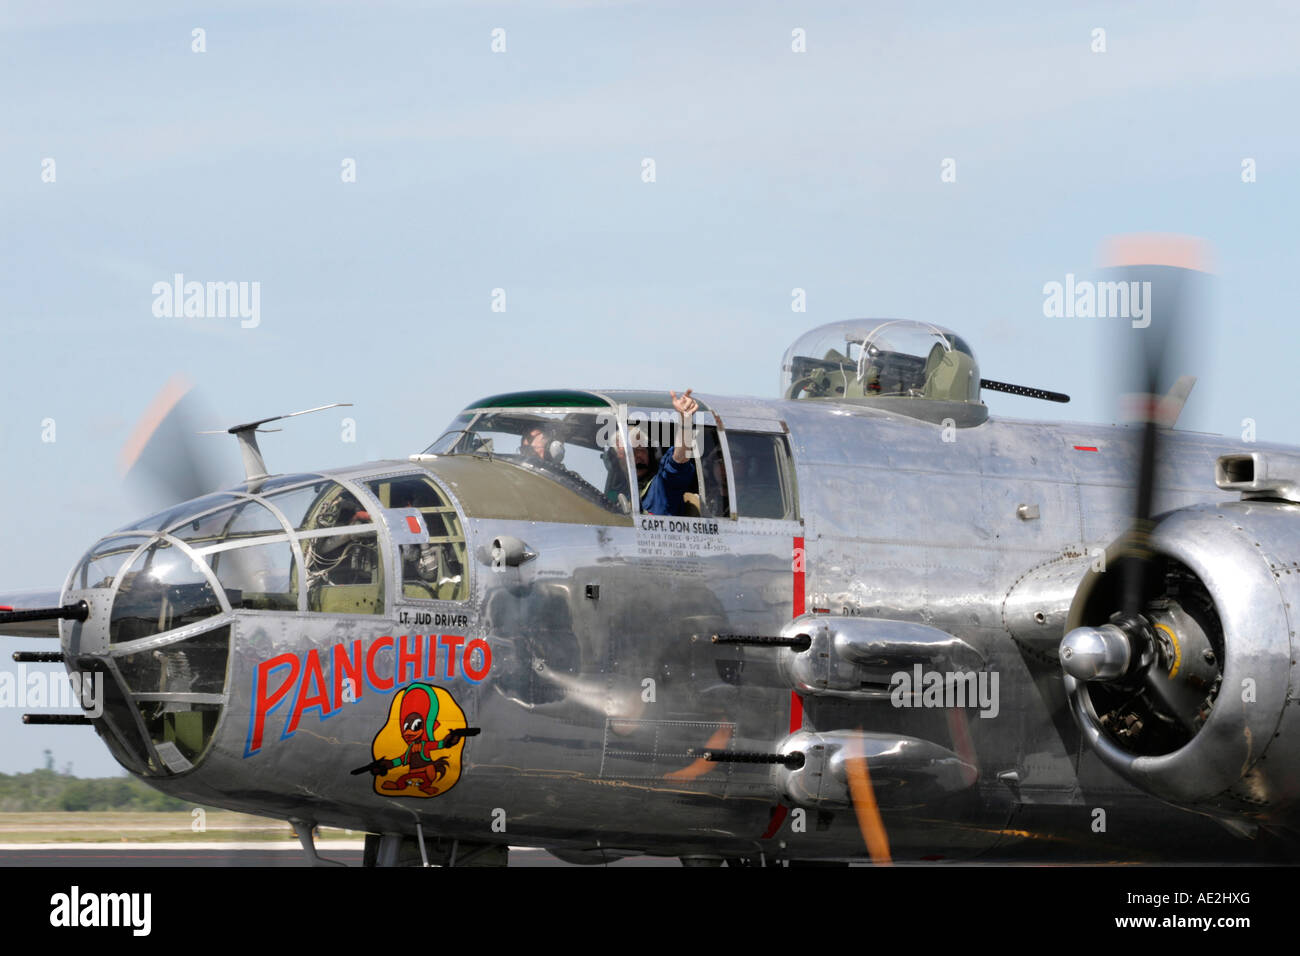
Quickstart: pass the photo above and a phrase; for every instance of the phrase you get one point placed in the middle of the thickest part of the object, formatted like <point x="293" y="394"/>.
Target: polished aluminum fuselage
<point x="605" y="685"/>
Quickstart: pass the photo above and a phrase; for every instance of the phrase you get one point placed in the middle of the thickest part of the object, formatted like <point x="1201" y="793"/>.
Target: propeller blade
<point x="164" y="459"/>
<point x="865" y="807"/>
<point x="1159" y="276"/>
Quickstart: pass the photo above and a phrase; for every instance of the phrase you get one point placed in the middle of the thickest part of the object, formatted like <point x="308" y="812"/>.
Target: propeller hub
<point x="1096" y="653"/>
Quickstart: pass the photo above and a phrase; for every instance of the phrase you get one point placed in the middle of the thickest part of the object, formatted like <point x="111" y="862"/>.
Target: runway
<point x="232" y="854"/>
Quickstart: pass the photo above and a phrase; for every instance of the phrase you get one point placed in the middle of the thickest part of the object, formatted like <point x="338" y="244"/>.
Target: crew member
<point x="532" y="443"/>
<point x="661" y="490"/>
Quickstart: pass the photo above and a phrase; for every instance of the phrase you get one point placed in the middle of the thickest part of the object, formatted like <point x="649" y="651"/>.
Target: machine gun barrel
<point x="38" y="657"/>
<point x="799" y="642"/>
<point x="68" y="612"/>
<point x="791" y="761"/>
<point x="59" y="719"/>
<point x="1024" y="390"/>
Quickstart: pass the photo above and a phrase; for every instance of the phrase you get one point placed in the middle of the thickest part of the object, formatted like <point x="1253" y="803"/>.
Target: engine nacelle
<point x="904" y="771"/>
<point x="855" y="657"/>
<point x="1213" y="729"/>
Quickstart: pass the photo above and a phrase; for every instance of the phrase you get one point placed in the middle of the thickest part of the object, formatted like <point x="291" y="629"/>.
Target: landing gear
<point x="396" y="849"/>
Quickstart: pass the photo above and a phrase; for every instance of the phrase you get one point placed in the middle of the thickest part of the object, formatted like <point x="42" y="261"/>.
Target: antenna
<point x="246" y="434"/>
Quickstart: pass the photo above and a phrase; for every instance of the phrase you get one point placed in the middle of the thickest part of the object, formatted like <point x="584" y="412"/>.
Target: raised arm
<point x="687" y="407"/>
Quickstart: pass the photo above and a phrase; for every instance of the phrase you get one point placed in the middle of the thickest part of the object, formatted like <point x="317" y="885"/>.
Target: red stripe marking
<point x="1085" y="447"/>
<point x="778" y="818"/>
<point x="798" y="561"/>
<point x="413" y="523"/>
<point x="801" y="560"/>
<point x="6" y="609"/>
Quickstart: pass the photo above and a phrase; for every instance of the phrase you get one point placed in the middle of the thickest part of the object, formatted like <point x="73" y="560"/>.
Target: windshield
<point x="575" y="449"/>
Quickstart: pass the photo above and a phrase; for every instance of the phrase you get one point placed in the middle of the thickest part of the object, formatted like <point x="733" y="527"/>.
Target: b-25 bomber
<point x="867" y="621"/>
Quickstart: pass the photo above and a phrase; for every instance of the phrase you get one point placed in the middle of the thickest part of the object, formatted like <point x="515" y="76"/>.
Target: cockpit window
<point x="258" y="577"/>
<point x="712" y="501"/>
<point x="164" y="519"/>
<point x="325" y="504"/>
<point x="247" y="519"/>
<point x="878" y="359"/>
<point x="344" y="573"/>
<point x="454" y="433"/>
<point x="435" y="570"/>
<point x="264" y="486"/>
<point x="571" y="448"/>
<point x="163" y="589"/>
<point x="760" y="465"/>
<point x="101" y="567"/>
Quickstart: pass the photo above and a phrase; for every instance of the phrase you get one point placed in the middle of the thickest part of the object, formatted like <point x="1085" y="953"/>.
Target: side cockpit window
<point x="664" y="485"/>
<point x="436" y="569"/>
<point x="340" y="548"/>
<point x="344" y="573"/>
<point x="761" y="475"/>
<point x="260" y="577"/>
<point x="707" y="497"/>
<point x="320" y="506"/>
<point x="759" y="482"/>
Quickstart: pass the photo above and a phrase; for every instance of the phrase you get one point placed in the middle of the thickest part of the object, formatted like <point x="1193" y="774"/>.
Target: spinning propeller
<point x="1150" y="637"/>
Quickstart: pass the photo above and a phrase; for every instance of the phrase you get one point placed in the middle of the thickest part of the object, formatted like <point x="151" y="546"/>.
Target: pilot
<point x="533" y="442"/>
<point x="661" y="489"/>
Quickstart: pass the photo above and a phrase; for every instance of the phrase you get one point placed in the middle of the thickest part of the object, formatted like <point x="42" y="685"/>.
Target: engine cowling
<point x="1207" y="720"/>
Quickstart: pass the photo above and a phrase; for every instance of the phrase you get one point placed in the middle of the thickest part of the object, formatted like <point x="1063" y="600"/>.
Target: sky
<point x="518" y="176"/>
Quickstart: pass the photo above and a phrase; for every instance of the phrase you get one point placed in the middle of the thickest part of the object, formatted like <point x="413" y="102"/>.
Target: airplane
<point x="876" y="624"/>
